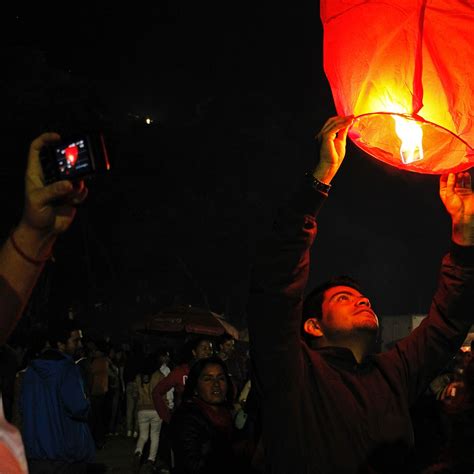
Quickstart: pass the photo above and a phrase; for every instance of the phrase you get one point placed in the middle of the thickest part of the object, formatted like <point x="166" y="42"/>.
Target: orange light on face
<point x="403" y="69"/>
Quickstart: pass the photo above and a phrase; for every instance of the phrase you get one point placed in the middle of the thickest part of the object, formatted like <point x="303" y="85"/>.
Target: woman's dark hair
<point x="190" y="345"/>
<point x="195" y="373"/>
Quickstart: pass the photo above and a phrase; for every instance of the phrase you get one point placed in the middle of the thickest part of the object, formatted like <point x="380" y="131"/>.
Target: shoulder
<point x="157" y="375"/>
<point x="188" y="415"/>
<point x="179" y="371"/>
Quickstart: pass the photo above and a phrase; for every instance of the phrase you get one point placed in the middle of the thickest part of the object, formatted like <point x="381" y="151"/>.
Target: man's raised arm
<point x="49" y="211"/>
<point x="430" y="346"/>
<point x="281" y="268"/>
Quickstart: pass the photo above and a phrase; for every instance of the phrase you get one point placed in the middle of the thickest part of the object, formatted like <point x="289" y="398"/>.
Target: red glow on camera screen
<point x="71" y="153"/>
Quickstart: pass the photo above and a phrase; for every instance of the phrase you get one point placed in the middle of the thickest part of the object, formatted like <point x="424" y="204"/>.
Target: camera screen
<point x="74" y="159"/>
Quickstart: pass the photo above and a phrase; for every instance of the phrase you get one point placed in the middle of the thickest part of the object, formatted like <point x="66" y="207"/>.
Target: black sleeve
<point x="419" y="357"/>
<point x="191" y="444"/>
<point x="279" y="278"/>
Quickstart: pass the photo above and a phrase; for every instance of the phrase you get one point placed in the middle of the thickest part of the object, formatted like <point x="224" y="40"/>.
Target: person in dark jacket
<point x="202" y="427"/>
<point x="54" y="408"/>
<point x="332" y="405"/>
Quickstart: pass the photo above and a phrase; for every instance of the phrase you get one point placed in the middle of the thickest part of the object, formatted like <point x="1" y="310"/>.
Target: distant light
<point x="148" y="121"/>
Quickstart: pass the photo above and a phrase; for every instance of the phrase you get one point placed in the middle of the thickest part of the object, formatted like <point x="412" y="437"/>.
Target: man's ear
<point x="311" y="326"/>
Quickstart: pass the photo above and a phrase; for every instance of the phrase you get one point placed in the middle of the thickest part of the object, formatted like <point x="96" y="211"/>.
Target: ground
<point x="117" y="455"/>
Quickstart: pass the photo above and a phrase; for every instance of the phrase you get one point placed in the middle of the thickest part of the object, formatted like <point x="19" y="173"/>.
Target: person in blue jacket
<point x="55" y="409"/>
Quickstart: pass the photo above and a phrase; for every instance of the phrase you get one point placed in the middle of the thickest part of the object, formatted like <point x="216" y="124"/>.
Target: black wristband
<point x="318" y="185"/>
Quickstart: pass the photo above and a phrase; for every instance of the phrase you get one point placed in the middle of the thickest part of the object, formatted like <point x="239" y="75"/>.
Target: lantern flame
<point x="411" y="136"/>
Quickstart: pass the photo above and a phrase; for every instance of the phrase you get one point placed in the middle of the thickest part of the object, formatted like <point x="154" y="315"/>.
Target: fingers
<point x="34" y="166"/>
<point x="450" y="183"/>
<point x="42" y="140"/>
<point x="62" y="191"/>
<point x="54" y="192"/>
<point x="335" y="125"/>
<point x="447" y="182"/>
<point x="463" y="181"/>
<point x="79" y="194"/>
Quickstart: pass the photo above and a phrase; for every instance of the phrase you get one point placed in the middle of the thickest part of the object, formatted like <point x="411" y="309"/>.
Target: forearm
<point x="18" y="275"/>
<point x="436" y="340"/>
<point x="463" y="233"/>
<point x="160" y="405"/>
<point x="282" y="255"/>
<point x="278" y="282"/>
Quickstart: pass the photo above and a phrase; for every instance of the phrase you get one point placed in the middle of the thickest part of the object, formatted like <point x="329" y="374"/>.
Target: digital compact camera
<point x="75" y="157"/>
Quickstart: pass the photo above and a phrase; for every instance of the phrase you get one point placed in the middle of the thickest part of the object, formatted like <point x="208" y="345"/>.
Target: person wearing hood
<point x="55" y="409"/>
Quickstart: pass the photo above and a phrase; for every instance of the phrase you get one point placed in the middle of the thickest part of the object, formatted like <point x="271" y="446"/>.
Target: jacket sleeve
<point x="278" y="281"/>
<point x="190" y="444"/>
<point x="72" y="394"/>
<point x="425" y="352"/>
<point x="165" y="384"/>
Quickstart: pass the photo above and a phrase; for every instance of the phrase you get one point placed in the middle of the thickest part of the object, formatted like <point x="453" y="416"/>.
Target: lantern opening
<point x="411" y="136"/>
<point x="411" y="143"/>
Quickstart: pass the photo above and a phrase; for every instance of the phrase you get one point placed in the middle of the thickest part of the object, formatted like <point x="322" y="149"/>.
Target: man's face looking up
<point x="346" y="311"/>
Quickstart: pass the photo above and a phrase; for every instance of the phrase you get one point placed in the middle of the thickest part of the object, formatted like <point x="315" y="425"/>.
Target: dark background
<point x="236" y="93"/>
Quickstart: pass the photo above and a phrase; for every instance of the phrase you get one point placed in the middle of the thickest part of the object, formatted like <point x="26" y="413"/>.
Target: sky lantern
<point x="405" y="70"/>
<point x="71" y="153"/>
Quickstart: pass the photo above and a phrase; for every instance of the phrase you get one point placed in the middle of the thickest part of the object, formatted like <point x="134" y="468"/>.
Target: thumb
<point x="53" y="192"/>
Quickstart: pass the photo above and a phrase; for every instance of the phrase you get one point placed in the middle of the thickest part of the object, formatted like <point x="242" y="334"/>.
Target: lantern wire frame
<point x="447" y="152"/>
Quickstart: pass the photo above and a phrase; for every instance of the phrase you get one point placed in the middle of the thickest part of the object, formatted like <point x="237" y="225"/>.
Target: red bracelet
<point x="34" y="261"/>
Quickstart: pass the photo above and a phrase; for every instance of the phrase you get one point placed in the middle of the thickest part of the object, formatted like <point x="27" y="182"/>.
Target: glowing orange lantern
<point x="404" y="69"/>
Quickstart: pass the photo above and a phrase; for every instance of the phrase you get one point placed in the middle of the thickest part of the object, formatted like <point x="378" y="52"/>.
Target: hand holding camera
<point x="49" y="209"/>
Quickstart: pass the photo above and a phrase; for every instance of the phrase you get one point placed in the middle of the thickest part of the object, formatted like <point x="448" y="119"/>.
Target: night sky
<point x="236" y="93"/>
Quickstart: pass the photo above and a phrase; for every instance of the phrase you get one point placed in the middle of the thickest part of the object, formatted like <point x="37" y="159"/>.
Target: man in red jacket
<point x="200" y="349"/>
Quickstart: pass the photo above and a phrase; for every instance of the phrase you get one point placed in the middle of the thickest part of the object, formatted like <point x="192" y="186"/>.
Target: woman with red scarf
<point x="202" y="427"/>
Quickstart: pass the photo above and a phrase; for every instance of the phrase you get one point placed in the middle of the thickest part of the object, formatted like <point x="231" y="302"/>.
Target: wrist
<point x="463" y="233"/>
<point x="36" y="243"/>
<point x="325" y="173"/>
<point x="318" y="185"/>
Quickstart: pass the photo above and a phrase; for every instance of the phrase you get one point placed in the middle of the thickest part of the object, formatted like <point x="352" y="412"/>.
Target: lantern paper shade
<point x="405" y="70"/>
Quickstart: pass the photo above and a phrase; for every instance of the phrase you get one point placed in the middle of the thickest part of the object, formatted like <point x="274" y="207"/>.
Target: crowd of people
<point x="313" y="396"/>
<point x="71" y="395"/>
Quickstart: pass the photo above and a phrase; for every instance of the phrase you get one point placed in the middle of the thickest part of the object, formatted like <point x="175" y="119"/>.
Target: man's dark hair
<point x="195" y="373"/>
<point x="60" y="331"/>
<point x="102" y="346"/>
<point x="162" y="352"/>
<point x="313" y="303"/>
<point x="223" y="339"/>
